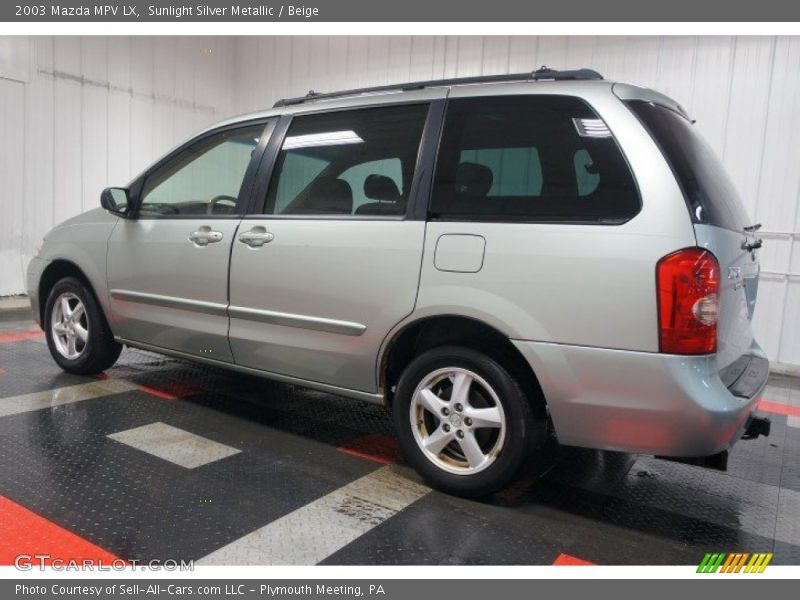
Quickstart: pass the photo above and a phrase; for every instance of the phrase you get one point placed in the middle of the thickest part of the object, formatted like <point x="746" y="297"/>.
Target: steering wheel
<point x="229" y="204"/>
<point x="162" y="208"/>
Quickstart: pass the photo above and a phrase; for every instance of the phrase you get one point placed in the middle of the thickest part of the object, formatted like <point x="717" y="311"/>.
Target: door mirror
<point x="115" y="201"/>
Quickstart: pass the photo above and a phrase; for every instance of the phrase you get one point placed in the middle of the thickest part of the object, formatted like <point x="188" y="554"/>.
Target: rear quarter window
<point x="710" y="195"/>
<point x="537" y="158"/>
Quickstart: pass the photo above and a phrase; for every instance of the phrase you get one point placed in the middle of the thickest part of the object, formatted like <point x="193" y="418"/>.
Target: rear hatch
<point x="721" y="226"/>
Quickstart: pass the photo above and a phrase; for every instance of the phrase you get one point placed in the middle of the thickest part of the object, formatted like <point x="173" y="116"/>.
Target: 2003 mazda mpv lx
<point x="496" y="258"/>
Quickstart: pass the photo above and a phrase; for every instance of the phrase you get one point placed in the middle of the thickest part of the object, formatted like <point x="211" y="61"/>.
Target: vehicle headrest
<point x="329" y="195"/>
<point x="473" y="180"/>
<point x="381" y="187"/>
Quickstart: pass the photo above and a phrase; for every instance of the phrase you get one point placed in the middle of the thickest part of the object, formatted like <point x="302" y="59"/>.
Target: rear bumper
<point x="641" y="402"/>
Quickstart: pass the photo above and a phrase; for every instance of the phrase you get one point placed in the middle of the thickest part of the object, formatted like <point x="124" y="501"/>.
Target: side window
<point x="350" y="162"/>
<point x="204" y="179"/>
<point x="530" y="158"/>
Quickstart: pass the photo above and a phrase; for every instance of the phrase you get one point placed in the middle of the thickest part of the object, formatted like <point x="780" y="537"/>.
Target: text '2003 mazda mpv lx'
<point x="498" y="259"/>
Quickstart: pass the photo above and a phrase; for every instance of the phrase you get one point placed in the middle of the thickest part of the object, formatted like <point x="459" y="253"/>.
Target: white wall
<point x="12" y="112"/>
<point x="140" y="95"/>
<point x="80" y="113"/>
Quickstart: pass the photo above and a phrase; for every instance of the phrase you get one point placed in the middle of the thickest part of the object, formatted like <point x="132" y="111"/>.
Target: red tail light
<point x="688" y="302"/>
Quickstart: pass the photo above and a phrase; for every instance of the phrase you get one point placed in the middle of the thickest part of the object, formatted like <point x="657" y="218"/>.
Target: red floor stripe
<point x="25" y="532"/>
<point x="172" y="390"/>
<point x="778" y="408"/>
<point x="168" y="390"/>
<point x="377" y="448"/>
<point x="19" y="336"/>
<point x="565" y="560"/>
<point x="157" y="393"/>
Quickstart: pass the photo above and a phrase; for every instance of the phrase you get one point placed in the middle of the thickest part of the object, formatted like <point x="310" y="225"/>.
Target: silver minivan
<point x="499" y="259"/>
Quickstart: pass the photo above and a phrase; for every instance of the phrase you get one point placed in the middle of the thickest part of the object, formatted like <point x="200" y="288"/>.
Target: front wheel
<point x="464" y="422"/>
<point x="78" y="335"/>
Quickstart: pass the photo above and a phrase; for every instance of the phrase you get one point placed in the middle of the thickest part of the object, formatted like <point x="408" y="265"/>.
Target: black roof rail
<point x="542" y="74"/>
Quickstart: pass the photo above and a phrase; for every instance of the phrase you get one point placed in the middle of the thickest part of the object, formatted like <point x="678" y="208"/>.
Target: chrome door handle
<point x="256" y="237"/>
<point x="205" y="236"/>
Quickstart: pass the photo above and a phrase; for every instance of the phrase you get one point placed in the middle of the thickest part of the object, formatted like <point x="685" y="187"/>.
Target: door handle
<point x="256" y="237"/>
<point x="205" y="236"/>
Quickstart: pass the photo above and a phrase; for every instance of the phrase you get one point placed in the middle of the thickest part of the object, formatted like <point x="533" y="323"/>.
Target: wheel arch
<point x="429" y="332"/>
<point x="57" y="270"/>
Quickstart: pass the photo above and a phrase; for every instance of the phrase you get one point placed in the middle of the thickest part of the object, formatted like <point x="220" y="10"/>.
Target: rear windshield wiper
<point x="754" y="245"/>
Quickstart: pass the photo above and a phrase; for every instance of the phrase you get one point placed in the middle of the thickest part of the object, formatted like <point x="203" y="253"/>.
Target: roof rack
<point x="542" y="74"/>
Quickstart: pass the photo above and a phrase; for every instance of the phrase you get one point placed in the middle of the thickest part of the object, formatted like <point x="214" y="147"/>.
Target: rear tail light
<point x="688" y="302"/>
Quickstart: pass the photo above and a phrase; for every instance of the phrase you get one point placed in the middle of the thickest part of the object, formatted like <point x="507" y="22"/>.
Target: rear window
<point x="710" y="194"/>
<point x="531" y="159"/>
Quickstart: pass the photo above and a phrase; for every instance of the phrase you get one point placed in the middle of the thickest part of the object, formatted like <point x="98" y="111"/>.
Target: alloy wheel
<point x="457" y="420"/>
<point x="69" y="326"/>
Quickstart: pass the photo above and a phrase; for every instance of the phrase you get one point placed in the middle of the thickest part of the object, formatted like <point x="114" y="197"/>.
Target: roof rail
<point x="542" y="74"/>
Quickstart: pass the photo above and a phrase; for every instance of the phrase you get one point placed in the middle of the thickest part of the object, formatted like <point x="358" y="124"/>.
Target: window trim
<point x="431" y="216"/>
<point x="245" y="189"/>
<point x="421" y="183"/>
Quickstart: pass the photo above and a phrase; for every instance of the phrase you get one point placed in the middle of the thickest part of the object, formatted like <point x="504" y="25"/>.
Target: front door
<point x="332" y="262"/>
<point x="168" y="266"/>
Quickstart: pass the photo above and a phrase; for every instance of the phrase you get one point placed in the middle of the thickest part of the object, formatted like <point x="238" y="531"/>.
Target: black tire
<point x="525" y="431"/>
<point x="101" y="351"/>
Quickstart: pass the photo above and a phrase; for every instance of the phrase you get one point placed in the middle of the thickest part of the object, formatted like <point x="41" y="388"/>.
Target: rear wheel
<point x="464" y="422"/>
<point x="78" y="335"/>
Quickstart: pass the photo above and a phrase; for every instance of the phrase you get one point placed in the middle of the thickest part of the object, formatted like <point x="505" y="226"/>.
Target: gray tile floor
<point x="238" y="467"/>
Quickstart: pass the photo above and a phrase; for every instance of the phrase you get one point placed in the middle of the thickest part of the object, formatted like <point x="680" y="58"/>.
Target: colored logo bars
<point x="735" y="562"/>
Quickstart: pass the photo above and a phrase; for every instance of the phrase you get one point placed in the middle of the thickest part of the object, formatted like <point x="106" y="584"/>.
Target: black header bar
<point x="401" y="11"/>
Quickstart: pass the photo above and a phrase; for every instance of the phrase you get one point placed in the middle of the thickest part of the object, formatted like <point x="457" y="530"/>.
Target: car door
<point x="331" y="262"/>
<point x="168" y="265"/>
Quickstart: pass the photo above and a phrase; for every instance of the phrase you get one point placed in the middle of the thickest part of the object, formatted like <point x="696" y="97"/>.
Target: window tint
<point x="586" y="179"/>
<point x="354" y="162"/>
<point x="204" y="178"/>
<point x="531" y="158"/>
<point x="515" y="171"/>
<point x="710" y="194"/>
<point x="298" y="170"/>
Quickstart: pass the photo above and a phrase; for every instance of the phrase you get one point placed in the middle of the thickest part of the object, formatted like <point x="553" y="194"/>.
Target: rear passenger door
<point x="330" y="262"/>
